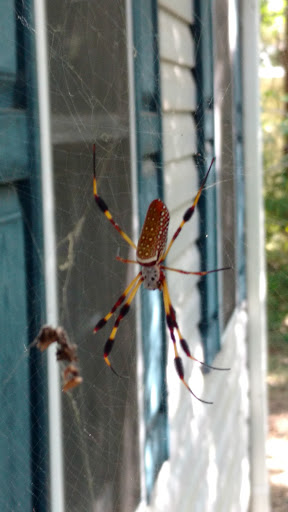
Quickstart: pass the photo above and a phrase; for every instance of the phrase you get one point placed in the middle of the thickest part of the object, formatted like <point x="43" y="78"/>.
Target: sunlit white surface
<point x="202" y="454"/>
<point x="54" y="385"/>
<point x="255" y="256"/>
<point x="232" y="26"/>
<point x="271" y="72"/>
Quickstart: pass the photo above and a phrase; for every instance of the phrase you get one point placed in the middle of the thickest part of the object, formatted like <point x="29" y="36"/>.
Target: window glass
<point x="89" y="101"/>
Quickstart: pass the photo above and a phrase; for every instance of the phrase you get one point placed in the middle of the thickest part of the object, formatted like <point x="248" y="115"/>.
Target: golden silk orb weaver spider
<point x="151" y="252"/>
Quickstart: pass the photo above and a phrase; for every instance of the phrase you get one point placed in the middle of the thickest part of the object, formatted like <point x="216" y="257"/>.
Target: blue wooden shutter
<point x="14" y="397"/>
<point x="209" y="325"/>
<point x="239" y="178"/>
<point x="149" y="152"/>
<point x="231" y="183"/>
<point x="22" y="397"/>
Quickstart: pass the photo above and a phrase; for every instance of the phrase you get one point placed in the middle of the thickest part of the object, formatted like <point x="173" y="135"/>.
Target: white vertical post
<point x="135" y="205"/>
<point x="54" y="385"/>
<point x="255" y="254"/>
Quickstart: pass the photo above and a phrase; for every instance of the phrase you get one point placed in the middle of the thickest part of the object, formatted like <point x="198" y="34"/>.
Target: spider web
<point x="90" y="103"/>
<point x="89" y="97"/>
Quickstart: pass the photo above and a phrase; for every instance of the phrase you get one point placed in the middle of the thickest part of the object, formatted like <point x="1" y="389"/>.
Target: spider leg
<point x="118" y="303"/>
<point x="123" y="260"/>
<point x="188" y="214"/>
<point x="185" y="347"/>
<point x="204" y="273"/>
<point x="103" y="206"/>
<point x="123" y="312"/>
<point x="170" y="318"/>
<point x="183" y="342"/>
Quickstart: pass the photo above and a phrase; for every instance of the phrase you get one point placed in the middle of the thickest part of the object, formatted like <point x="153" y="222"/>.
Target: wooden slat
<point x="182" y="8"/>
<point x="179" y="136"/>
<point x="176" y="42"/>
<point x="178" y="88"/>
<point x="181" y="182"/>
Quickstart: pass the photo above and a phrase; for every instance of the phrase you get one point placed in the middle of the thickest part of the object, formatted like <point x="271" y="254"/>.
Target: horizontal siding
<point x="207" y="470"/>
<point x="181" y="9"/>
<point x="179" y="137"/>
<point x="176" y="175"/>
<point x="178" y="89"/>
<point x="176" y="43"/>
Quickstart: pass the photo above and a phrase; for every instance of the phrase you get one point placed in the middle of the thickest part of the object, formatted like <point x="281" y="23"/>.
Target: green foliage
<point x="277" y="303"/>
<point x="272" y="29"/>
<point x="272" y="19"/>
<point x="275" y="135"/>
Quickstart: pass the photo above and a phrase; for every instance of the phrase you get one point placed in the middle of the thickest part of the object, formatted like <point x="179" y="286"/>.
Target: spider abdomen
<point x="153" y="237"/>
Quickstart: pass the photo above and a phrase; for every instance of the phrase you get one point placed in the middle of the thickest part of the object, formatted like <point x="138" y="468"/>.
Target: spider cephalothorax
<point x="150" y="254"/>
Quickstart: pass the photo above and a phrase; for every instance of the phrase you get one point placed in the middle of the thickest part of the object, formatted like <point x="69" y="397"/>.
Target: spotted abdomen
<point x="152" y="241"/>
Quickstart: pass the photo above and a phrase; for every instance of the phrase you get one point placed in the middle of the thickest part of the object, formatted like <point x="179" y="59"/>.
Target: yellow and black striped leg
<point x="123" y="312"/>
<point x="171" y="322"/>
<point x="118" y="303"/>
<point x="184" y="346"/>
<point x="183" y="342"/>
<point x="103" y="206"/>
<point x="189" y="212"/>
